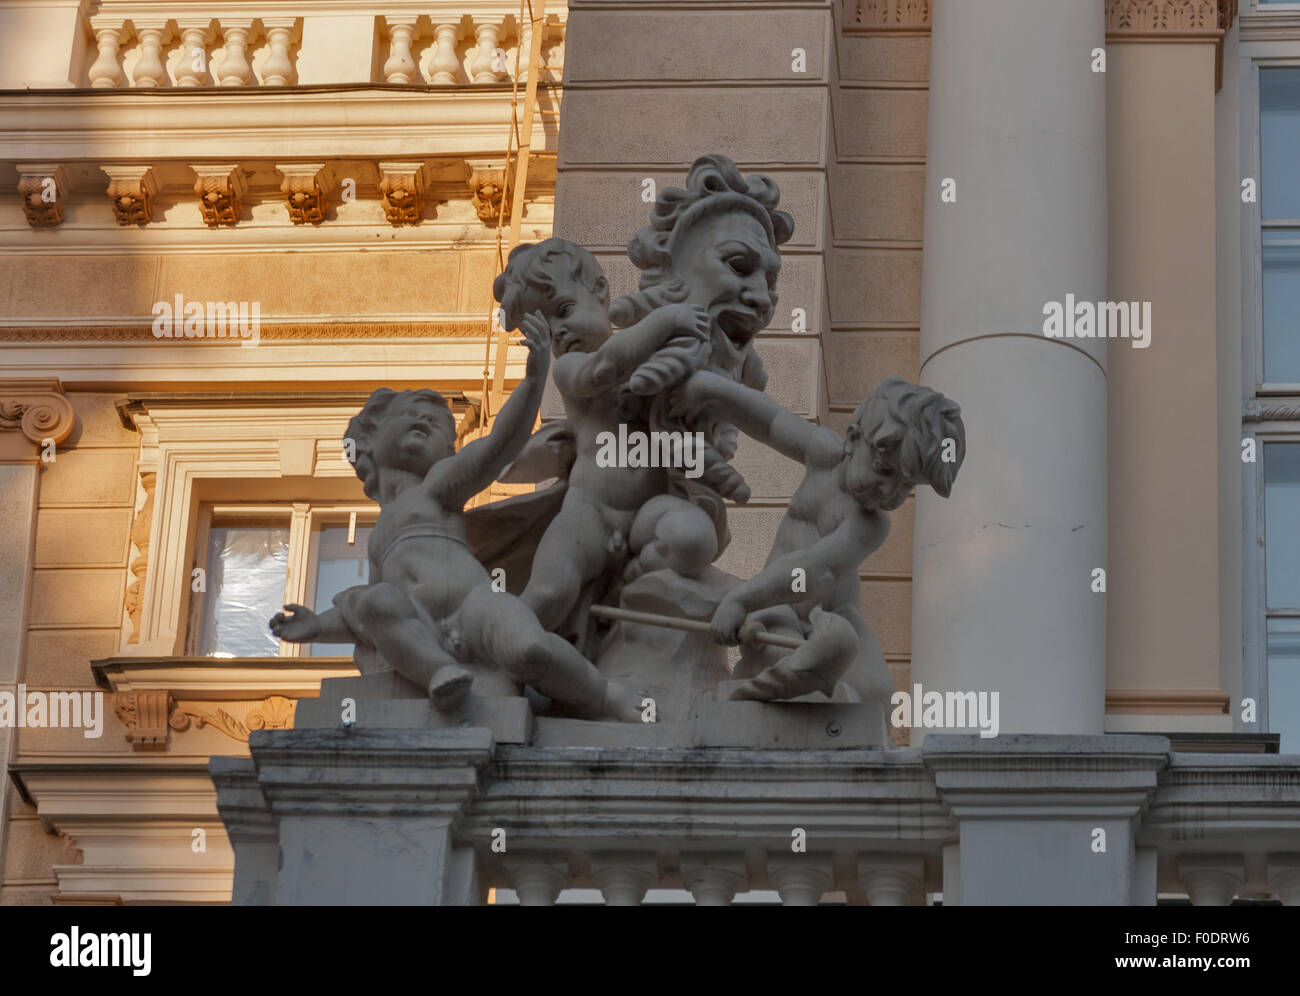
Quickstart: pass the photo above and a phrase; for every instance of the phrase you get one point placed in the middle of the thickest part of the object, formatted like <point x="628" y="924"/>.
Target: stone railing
<point x="792" y="804"/>
<point x="447" y="48"/>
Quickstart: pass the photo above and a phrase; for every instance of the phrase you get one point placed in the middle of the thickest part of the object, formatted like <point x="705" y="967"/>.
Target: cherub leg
<point x="868" y="675"/>
<point x="671" y="532"/>
<point x="573" y="551"/>
<point x="815" y="667"/>
<point x="410" y="641"/>
<point x="499" y="628"/>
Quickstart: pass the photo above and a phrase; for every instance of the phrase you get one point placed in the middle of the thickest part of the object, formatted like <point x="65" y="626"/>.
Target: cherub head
<point x="399" y="430"/>
<point x="565" y="283"/>
<point x="899" y="437"/>
<point x="715" y="244"/>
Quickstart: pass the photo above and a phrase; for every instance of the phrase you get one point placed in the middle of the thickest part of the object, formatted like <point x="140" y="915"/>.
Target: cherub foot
<point x="449" y="686"/>
<point x="814" y="667"/>
<point x="622" y="702"/>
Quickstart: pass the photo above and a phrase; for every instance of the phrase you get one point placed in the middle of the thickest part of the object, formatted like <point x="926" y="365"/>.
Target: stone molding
<point x="1167" y="701"/>
<point x="887" y="16"/>
<point x="285" y="331"/>
<point x="37" y="408"/>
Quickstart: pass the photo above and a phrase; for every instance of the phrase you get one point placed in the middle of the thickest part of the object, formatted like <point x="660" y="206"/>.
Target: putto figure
<point x="430" y="608"/>
<point x="901" y="436"/>
<point x="715" y="244"/>
<point x="556" y="289"/>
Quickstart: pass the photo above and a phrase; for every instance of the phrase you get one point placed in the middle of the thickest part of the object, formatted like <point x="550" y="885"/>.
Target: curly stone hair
<point x="714" y="183"/>
<point x="530" y="273"/>
<point x="366" y="423"/>
<point x="928" y="418"/>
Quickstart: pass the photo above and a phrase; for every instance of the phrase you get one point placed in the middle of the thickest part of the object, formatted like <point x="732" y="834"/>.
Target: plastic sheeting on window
<point x="247" y="567"/>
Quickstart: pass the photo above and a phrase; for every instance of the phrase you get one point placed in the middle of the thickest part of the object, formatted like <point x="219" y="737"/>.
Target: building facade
<point x="1119" y="560"/>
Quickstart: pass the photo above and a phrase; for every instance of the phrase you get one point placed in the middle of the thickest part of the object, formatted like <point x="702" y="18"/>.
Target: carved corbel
<point x="402" y="187"/>
<point x="487" y="183"/>
<point x="306" y="188"/>
<point x="35" y="407"/>
<point x="147" y="717"/>
<point x="44" y="190"/>
<point x="220" y="189"/>
<point x="131" y="189"/>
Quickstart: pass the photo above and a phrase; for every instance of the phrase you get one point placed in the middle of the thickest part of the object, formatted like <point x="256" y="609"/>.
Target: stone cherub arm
<point x="899" y="437"/>
<point x="621" y="357"/>
<point x="457" y="479"/>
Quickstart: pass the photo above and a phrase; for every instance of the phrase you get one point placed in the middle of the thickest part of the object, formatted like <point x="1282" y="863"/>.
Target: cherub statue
<point x="899" y="437"/>
<point x="430" y="608"/>
<point x="716" y="244"/>
<point x="556" y="289"/>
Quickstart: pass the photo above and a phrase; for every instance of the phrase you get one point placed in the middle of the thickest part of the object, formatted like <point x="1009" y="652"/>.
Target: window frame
<point x="1270" y="410"/>
<point x="304" y="519"/>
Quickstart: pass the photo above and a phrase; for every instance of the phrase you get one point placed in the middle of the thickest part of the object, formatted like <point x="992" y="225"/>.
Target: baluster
<point x="106" y="72"/>
<point x="235" y="70"/>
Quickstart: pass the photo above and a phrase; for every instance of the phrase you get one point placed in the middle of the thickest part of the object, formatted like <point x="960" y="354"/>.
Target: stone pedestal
<point x="1047" y="820"/>
<point x="360" y="817"/>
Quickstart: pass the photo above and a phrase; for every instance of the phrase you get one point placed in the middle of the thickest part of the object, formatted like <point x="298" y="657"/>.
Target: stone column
<point x="35" y="418"/>
<point x="1002" y="597"/>
<point x="1167" y="456"/>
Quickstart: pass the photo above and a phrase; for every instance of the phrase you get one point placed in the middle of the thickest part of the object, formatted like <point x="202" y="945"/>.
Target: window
<point x="1279" y="146"/>
<point x="257" y="558"/>
<point x="1282" y="590"/>
<point x="1271" y="392"/>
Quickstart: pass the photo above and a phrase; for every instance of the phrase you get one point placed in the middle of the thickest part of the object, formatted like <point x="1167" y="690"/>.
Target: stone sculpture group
<point x="611" y="597"/>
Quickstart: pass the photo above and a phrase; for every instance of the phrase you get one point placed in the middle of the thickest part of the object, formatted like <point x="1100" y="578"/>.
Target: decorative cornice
<point x="891" y="16"/>
<point x="288" y="331"/>
<point x="1157" y="20"/>
<point x="36" y="407"/>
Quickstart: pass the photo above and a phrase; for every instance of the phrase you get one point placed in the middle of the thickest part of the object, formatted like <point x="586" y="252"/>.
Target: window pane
<point x="1279" y="141"/>
<point x="1284" y="682"/>
<point x="1282" y="524"/>
<point x="1281" y="305"/>
<point x="338" y="567"/>
<point x="247" y="565"/>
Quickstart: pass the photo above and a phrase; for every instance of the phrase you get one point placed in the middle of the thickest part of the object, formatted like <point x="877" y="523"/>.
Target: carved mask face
<point x="730" y="268"/>
<point x="872" y="471"/>
<point x="409" y="437"/>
